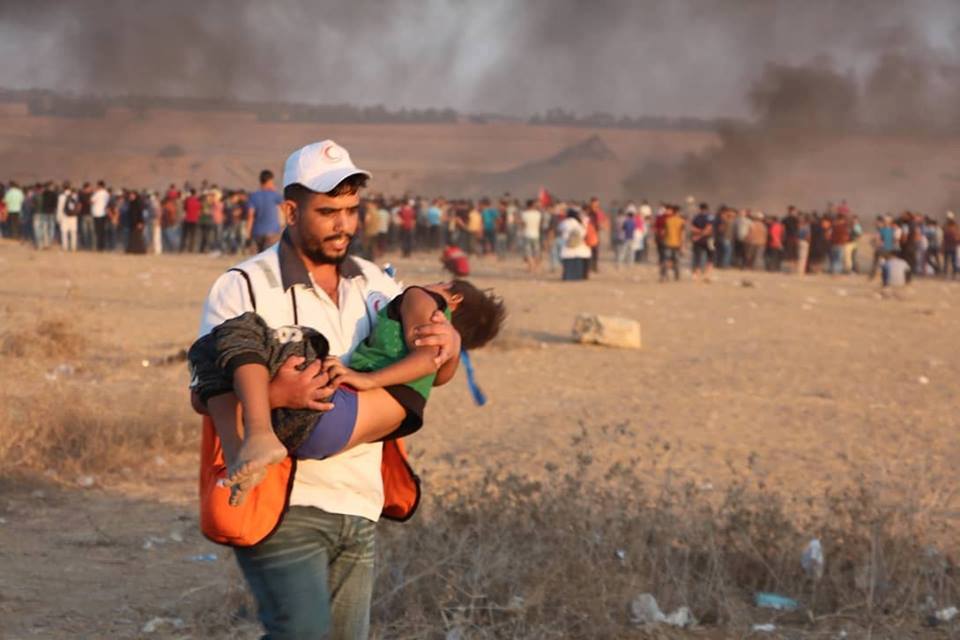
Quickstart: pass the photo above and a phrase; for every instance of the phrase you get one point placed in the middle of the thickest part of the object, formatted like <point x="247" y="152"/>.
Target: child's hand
<point x="340" y="374"/>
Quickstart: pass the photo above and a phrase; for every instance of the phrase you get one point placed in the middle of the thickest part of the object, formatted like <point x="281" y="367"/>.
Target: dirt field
<point x="802" y="387"/>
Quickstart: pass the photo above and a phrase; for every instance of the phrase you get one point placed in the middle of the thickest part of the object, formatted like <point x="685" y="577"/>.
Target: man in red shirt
<point x="839" y="237"/>
<point x="774" y="252"/>
<point x="192" y="207"/>
<point x="408" y="223"/>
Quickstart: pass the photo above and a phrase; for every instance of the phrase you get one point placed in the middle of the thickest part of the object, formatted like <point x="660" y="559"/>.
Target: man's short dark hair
<point x="479" y="316"/>
<point x="347" y="187"/>
<point x="266" y="176"/>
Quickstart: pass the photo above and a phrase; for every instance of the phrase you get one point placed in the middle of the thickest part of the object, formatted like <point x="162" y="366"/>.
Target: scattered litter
<point x="621" y="555"/>
<point x="946" y="615"/>
<point x="3" y="521"/>
<point x="706" y="486"/>
<point x="517" y="603"/>
<point x="923" y="380"/>
<point x="644" y="610"/>
<point x="152" y="541"/>
<point x="145" y="363"/>
<point x="176" y="536"/>
<point x="775" y="601"/>
<point x="155" y="624"/>
<point x="60" y="371"/>
<point x="812" y="559"/>
<point x="765" y="628"/>
<point x="38" y="493"/>
<point x="841" y="292"/>
<point x="86" y="481"/>
<point x="160" y="461"/>
<point x="730" y="320"/>
<point x="203" y="557"/>
<point x="454" y="634"/>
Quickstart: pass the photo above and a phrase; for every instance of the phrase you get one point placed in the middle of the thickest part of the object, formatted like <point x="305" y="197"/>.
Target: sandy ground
<point x="800" y="386"/>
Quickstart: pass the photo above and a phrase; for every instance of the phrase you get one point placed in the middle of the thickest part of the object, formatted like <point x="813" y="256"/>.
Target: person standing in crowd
<point x="489" y="214"/>
<point x="13" y="201"/>
<point x="44" y="218"/>
<point x="773" y="256"/>
<point x="408" y="227"/>
<point x="624" y="238"/>
<point x="884" y="242"/>
<point x="68" y="207"/>
<point x="673" y="228"/>
<point x="951" y="241"/>
<point x="98" y="214"/>
<point x="803" y="243"/>
<point x="702" y="239"/>
<point x="169" y="219"/>
<point x="596" y="219"/>
<point x="756" y="240"/>
<point x="741" y="227"/>
<point x="85" y="218"/>
<point x="136" y="221"/>
<point x="192" y="209"/>
<point x="263" y="212"/>
<point x="574" y="252"/>
<point x="532" y="221"/>
<point x="501" y="228"/>
<point x="114" y="233"/>
<point x="434" y="222"/>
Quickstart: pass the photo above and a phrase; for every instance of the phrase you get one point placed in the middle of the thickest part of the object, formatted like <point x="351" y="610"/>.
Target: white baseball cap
<point x="320" y="166"/>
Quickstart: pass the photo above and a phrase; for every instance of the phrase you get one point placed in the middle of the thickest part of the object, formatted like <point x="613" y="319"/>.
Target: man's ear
<point x="290" y="212"/>
<point x="456" y="298"/>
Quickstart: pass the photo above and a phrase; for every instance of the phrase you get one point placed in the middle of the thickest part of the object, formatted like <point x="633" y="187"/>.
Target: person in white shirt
<point x="99" y="200"/>
<point x="531" y="220"/>
<point x="67" y="206"/>
<point x="574" y="252"/>
<point x="313" y="576"/>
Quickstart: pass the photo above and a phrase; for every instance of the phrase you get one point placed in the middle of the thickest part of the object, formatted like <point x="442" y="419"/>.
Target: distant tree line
<point x="561" y="117"/>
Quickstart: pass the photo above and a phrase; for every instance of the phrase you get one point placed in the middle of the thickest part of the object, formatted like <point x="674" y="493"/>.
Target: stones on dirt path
<point x="609" y="331"/>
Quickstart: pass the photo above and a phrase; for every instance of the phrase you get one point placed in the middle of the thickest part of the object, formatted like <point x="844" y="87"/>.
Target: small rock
<point x="730" y="321"/>
<point x="923" y="380"/>
<point x="946" y="615"/>
<point x="765" y="628"/>
<point x="144" y="363"/>
<point x="806" y="307"/>
<point x="86" y="481"/>
<point x="176" y="536"/>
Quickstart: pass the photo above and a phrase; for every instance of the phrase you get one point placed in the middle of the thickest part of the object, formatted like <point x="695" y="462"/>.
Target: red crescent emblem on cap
<point x="333" y="152"/>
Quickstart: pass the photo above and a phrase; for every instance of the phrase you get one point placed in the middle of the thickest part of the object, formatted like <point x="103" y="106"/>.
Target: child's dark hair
<point x="479" y="315"/>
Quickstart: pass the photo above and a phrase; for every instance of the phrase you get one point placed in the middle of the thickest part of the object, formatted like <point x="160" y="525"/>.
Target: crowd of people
<point x="561" y="235"/>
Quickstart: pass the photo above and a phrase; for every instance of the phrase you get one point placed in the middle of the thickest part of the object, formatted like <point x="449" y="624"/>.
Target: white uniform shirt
<point x="348" y="483"/>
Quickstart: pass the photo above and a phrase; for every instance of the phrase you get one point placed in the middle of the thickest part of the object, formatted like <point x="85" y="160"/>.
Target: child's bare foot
<point x="240" y="489"/>
<point x="257" y="452"/>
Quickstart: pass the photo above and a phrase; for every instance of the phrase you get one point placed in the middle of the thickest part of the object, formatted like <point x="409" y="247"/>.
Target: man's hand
<point x="295" y="389"/>
<point x="439" y="333"/>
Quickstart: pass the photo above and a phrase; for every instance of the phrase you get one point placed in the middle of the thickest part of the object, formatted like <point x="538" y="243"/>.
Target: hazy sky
<point x="669" y="57"/>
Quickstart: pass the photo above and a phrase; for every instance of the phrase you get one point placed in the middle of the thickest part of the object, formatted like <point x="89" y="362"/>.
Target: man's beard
<point x="317" y="255"/>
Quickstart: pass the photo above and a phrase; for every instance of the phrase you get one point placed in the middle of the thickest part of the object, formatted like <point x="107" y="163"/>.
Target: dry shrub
<point x="50" y="338"/>
<point x="512" y="557"/>
<point x="71" y="432"/>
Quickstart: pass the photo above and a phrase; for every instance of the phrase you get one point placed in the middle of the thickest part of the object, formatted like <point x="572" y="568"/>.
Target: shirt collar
<point x="293" y="271"/>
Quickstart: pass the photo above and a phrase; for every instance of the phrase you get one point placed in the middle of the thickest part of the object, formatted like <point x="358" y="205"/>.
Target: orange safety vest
<point x="262" y="512"/>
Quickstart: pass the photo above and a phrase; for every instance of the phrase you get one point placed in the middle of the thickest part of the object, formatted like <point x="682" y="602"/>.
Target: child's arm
<point x="417" y="308"/>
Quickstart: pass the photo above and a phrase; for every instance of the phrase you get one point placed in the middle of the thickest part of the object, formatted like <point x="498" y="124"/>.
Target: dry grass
<point x="50" y="338"/>
<point x="511" y="557"/>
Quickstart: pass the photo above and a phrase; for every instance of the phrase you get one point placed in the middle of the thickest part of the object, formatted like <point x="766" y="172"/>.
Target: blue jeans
<point x="43" y="228"/>
<point x="836" y="258"/>
<point x="313" y="576"/>
<point x="87" y="237"/>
